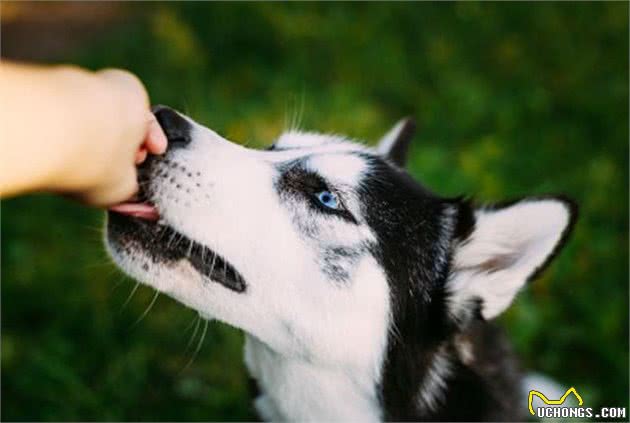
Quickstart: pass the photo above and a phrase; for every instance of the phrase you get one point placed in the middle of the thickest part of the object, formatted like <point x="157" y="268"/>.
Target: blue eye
<point x="328" y="199"/>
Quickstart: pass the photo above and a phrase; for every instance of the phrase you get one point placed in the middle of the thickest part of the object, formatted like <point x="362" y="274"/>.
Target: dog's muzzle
<point x="136" y="223"/>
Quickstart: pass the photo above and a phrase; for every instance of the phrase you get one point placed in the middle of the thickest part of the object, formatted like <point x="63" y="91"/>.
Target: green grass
<point x="512" y="99"/>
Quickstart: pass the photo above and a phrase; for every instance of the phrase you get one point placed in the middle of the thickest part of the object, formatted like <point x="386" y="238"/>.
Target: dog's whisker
<point x="199" y="344"/>
<point x="287" y="116"/>
<point x="178" y="240"/>
<point x="214" y="260"/>
<point x="191" y="323"/>
<point x="285" y="120"/>
<point x="118" y="282"/>
<point x="300" y="116"/>
<point x="192" y="337"/>
<point x="93" y="229"/>
<point x="146" y="311"/>
<point x="173" y="236"/>
<point x="294" y="115"/>
<point x="190" y="247"/>
<point x="131" y="294"/>
<point x="104" y="263"/>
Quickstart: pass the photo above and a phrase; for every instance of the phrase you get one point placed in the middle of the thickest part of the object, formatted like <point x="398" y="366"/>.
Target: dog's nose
<point x="174" y="125"/>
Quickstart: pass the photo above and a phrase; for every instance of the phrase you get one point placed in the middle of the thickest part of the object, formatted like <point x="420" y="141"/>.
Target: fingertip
<point x="156" y="141"/>
<point x="141" y="155"/>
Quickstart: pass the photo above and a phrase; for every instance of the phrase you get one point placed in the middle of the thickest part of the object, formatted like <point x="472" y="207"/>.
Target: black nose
<point x="174" y="125"/>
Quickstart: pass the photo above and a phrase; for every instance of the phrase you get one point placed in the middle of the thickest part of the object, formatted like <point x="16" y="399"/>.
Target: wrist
<point x="61" y="100"/>
<point x="40" y="122"/>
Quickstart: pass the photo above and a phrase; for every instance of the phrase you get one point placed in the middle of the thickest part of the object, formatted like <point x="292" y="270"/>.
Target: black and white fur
<point x="381" y="311"/>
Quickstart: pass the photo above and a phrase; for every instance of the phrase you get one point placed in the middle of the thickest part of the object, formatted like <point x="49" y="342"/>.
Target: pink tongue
<point x="140" y="210"/>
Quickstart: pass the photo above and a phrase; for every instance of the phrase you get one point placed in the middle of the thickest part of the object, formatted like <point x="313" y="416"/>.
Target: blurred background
<point x="512" y="99"/>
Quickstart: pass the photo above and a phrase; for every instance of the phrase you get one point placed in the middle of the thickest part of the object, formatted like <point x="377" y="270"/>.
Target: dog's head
<point x="320" y="247"/>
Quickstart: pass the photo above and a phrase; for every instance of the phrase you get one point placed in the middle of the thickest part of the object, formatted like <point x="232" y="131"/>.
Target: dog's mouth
<point x="140" y="210"/>
<point x="137" y="222"/>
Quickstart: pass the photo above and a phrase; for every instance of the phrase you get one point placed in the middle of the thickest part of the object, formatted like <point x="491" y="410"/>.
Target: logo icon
<point x="546" y="400"/>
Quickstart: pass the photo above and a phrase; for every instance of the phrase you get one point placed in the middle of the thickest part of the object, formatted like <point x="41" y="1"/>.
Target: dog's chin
<point x="131" y="235"/>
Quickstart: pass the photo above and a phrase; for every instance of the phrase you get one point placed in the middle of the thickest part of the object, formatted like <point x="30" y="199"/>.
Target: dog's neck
<point x="475" y="378"/>
<point x="295" y="389"/>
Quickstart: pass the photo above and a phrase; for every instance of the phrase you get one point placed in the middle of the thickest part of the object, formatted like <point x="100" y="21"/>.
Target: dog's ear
<point x="504" y="247"/>
<point x="395" y="143"/>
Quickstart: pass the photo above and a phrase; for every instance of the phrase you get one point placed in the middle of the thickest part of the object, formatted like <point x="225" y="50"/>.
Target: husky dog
<point x="363" y="295"/>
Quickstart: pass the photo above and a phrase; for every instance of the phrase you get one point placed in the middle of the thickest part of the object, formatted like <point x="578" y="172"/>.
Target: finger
<point x="141" y="155"/>
<point x="127" y="81"/>
<point x="156" y="141"/>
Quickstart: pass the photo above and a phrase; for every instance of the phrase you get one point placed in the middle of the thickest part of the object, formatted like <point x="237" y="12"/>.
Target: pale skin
<point x="74" y="132"/>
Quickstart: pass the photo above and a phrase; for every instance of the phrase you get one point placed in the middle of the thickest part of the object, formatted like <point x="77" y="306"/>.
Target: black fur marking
<point x="338" y="262"/>
<point x="302" y="183"/>
<point x="406" y="220"/>
<point x="410" y="225"/>
<point x="165" y="245"/>
<point x="400" y="146"/>
<point x="465" y="218"/>
<point x="486" y="388"/>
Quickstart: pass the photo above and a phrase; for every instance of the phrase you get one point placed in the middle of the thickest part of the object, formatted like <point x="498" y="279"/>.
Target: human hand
<point x="75" y="132"/>
<point x="128" y="138"/>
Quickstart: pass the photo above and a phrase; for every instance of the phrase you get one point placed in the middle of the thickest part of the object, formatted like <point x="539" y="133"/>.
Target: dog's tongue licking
<point x="140" y="210"/>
